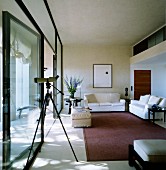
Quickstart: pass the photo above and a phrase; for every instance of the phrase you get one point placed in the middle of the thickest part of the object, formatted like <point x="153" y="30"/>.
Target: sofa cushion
<point x="139" y="106"/>
<point x="162" y="103"/>
<point x="114" y="97"/>
<point x="117" y="104"/>
<point x="105" y="104"/>
<point x="153" y="100"/>
<point x="102" y="97"/>
<point x="91" y="98"/>
<point x="144" y="99"/>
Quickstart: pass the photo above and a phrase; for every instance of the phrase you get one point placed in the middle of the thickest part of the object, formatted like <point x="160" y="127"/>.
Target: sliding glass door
<point x="21" y="112"/>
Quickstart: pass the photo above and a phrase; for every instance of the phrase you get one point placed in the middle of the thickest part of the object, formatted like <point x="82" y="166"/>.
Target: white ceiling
<point x="116" y="22"/>
<point x="113" y="22"/>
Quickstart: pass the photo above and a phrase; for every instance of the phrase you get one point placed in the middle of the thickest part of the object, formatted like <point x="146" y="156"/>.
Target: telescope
<point x="47" y="98"/>
<point x="43" y="80"/>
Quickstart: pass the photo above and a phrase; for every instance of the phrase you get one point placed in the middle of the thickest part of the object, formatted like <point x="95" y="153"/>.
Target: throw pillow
<point x="162" y="103"/>
<point x="91" y="98"/>
<point x="144" y="99"/>
<point x="153" y="100"/>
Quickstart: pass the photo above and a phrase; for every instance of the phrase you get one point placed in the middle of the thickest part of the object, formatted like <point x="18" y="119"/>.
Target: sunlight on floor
<point x="56" y="152"/>
<point x="68" y="163"/>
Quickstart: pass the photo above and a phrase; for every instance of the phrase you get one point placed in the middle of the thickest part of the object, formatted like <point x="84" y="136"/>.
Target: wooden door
<point x="142" y="83"/>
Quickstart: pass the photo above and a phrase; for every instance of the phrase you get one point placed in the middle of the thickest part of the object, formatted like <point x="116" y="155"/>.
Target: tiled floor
<point x="57" y="154"/>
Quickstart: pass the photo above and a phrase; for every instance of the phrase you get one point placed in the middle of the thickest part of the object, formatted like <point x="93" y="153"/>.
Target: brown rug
<point x="111" y="133"/>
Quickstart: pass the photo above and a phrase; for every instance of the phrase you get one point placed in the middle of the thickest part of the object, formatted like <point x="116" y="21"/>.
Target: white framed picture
<point x="102" y="75"/>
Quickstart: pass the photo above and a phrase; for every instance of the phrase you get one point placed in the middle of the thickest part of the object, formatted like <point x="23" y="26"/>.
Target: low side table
<point x="72" y="101"/>
<point x="127" y="102"/>
<point x="154" y="111"/>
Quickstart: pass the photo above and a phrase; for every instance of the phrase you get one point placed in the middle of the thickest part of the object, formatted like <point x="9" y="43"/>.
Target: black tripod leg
<point x="43" y="110"/>
<point x="63" y="128"/>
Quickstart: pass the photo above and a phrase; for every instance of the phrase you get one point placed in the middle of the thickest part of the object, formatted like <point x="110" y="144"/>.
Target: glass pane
<point x="36" y="13"/>
<point x="59" y="81"/>
<point x="48" y="65"/>
<point x="159" y="36"/>
<point x="55" y="85"/>
<point x="0" y="94"/>
<point x="151" y="41"/>
<point x="20" y="69"/>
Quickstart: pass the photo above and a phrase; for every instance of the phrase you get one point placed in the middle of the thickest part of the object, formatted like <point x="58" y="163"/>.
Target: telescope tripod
<point x="48" y="97"/>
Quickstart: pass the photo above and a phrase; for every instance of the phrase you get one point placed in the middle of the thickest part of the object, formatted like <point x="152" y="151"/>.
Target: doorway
<point x="142" y="83"/>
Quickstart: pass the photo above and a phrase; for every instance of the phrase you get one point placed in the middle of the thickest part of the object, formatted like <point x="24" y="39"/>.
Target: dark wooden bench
<point x="136" y="161"/>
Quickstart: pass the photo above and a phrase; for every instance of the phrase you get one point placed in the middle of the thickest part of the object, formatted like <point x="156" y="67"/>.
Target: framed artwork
<point x="102" y="75"/>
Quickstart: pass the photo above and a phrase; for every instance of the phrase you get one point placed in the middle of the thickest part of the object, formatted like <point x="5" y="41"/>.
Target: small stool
<point x="80" y="117"/>
<point x="149" y="154"/>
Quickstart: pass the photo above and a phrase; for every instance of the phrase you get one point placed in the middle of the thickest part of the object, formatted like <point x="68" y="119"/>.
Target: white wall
<point x="159" y="80"/>
<point x="79" y="60"/>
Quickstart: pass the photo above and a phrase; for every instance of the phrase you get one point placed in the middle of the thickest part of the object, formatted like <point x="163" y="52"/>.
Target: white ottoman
<point x="150" y="153"/>
<point x="80" y="117"/>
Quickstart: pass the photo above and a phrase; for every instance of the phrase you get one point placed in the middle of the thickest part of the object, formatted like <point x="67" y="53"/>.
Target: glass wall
<point x="23" y="60"/>
<point x="1" y="92"/>
<point x="21" y="112"/>
<point x="36" y="7"/>
<point x="54" y="43"/>
<point x="59" y="72"/>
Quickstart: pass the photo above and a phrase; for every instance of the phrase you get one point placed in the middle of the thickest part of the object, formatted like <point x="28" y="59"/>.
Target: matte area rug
<point x="111" y="133"/>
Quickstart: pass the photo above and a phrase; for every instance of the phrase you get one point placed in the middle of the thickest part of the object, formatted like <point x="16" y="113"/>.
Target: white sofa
<point x="104" y="102"/>
<point x="140" y="107"/>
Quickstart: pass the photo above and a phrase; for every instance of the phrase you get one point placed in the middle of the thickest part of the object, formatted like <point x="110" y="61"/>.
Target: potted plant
<point x="72" y="83"/>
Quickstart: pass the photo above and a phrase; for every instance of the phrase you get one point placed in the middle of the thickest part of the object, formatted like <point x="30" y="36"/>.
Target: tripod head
<point x="48" y="85"/>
